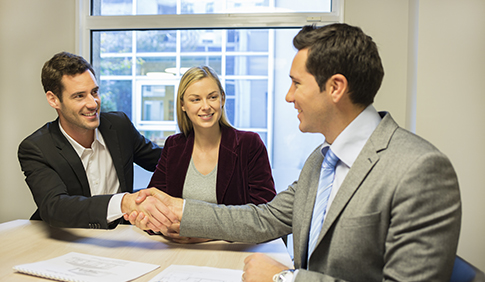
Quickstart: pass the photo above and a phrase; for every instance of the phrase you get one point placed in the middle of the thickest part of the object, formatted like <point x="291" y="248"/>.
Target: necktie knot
<point x="330" y="160"/>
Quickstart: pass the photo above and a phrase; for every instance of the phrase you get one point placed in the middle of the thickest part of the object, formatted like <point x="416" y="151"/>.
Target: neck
<point x="84" y="137"/>
<point x="207" y="138"/>
<point x="344" y="117"/>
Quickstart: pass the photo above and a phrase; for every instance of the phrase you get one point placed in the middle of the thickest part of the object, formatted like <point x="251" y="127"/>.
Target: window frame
<point x="86" y="24"/>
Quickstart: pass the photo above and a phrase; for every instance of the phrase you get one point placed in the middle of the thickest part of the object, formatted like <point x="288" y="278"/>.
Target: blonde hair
<point x="192" y="75"/>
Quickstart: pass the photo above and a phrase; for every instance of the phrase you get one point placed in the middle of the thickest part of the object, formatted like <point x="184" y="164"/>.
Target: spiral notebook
<point x="77" y="267"/>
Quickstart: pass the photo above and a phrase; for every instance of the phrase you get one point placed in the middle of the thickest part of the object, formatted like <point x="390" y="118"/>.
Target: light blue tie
<point x="327" y="174"/>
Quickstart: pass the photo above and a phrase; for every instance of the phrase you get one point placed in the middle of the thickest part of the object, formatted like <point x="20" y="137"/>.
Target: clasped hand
<point x="152" y="209"/>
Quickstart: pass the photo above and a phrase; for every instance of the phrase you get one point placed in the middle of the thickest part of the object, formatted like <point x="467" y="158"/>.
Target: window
<point x="140" y="49"/>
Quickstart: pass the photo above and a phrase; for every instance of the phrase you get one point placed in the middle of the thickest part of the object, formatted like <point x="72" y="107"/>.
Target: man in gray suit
<point x="394" y="210"/>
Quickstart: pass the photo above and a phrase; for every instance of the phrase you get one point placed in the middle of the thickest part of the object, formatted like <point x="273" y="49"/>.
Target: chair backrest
<point x="463" y="271"/>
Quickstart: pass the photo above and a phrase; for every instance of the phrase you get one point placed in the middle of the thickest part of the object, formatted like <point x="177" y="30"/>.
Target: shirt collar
<point x="78" y="147"/>
<point x="352" y="139"/>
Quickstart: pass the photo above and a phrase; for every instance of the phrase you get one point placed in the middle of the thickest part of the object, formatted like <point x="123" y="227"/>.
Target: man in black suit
<point x="79" y="166"/>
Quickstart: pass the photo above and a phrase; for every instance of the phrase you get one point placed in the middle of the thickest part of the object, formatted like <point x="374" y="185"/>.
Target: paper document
<point x="190" y="273"/>
<point x="86" y="268"/>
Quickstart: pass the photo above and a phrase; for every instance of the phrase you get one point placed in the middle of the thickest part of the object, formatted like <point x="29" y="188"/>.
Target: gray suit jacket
<point x="396" y="216"/>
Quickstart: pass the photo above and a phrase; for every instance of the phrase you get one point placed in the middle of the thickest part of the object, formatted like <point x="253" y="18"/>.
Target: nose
<point x="92" y="102"/>
<point x="205" y="104"/>
<point x="290" y="98"/>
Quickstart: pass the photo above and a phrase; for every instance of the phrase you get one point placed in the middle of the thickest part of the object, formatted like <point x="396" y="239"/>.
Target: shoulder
<point x="117" y="121"/>
<point x="241" y="136"/>
<point x="43" y="133"/>
<point x="400" y="148"/>
<point x="174" y="140"/>
<point x="114" y="117"/>
<point x="390" y="136"/>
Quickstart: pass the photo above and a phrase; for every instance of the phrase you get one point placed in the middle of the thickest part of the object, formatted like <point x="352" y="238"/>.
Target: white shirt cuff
<point x="114" y="207"/>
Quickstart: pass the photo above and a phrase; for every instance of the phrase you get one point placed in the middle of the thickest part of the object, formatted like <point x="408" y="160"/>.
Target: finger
<point x="142" y="195"/>
<point x="132" y="217"/>
<point x="174" y="228"/>
<point x="174" y="205"/>
<point x="246" y="260"/>
<point x="160" y="215"/>
<point x="142" y="222"/>
<point x="173" y="235"/>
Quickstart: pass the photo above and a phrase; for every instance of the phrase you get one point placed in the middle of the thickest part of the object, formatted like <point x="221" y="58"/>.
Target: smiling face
<point x="79" y="110"/>
<point x="314" y="106"/>
<point x="202" y="102"/>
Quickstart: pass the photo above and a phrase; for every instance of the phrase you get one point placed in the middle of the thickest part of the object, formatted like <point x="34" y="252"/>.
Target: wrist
<point x="126" y="203"/>
<point x="286" y="275"/>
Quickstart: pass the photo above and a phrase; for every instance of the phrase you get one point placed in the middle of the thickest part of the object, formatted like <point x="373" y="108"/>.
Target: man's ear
<point x="53" y="100"/>
<point x="338" y="87"/>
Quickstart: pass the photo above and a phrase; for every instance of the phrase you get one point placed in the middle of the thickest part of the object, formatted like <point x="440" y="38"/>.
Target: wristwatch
<point x="284" y="276"/>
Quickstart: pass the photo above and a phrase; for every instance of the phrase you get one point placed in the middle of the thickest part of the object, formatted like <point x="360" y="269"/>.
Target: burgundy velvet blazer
<point x="243" y="169"/>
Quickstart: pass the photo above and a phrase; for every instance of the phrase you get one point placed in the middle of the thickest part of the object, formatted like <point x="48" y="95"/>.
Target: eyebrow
<point x="198" y="95"/>
<point x="84" y="92"/>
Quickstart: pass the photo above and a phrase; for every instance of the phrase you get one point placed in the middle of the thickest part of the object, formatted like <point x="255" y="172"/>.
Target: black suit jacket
<point x="57" y="179"/>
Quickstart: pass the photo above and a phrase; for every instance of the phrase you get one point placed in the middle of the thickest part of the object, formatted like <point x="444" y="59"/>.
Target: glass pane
<point x="247" y="102"/>
<point x="255" y="40"/>
<point x="264" y="137"/>
<point x="156" y="41"/>
<point x="171" y="7"/>
<point x="115" y="41"/>
<point x="112" y="7"/>
<point x="157" y="136"/>
<point x="147" y="65"/>
<point x="116" y="66"/>
<point x="157" y="102"/>
<point x="247" y="65"/>
<point x="116" y="96"/>
<point x="212" y="61"/>
<point x="201" y="40"/>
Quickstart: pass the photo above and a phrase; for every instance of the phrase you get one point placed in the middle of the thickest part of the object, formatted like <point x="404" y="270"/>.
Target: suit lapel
<point x="227" y="162"/>
<point x="364" y="163"/>
<point x="308" y="178"/>
<point x="71" y="157"/>
<point x="110" y="137"/>
<point x="361" y="167"/>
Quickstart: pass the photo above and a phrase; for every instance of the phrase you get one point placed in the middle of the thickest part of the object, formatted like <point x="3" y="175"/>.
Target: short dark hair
<point x="61" y="64"/>
<point x="346" y="50"/>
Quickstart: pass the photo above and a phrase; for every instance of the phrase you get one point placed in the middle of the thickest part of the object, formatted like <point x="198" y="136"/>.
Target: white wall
<point x="451" y="101"/>
<point x="31" y="32"/>
<point x="449" y="87"/>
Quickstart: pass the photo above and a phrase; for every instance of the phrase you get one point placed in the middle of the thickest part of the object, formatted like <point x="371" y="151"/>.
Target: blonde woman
<point x="210" y="160"/>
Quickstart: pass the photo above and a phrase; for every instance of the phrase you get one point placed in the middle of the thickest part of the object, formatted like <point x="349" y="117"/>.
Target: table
<point x="25" y="241"/>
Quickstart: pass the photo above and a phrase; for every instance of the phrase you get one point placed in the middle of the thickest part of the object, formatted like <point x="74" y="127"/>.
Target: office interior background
<point x="432" y="51"/>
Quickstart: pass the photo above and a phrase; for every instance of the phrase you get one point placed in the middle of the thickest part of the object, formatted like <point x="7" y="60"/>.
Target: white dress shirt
<point x="349" y="143"/>
<point x="347" y="147"/>
<point x="100" y="171"/>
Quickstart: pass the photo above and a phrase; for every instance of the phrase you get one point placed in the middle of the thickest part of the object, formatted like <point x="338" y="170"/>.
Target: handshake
<point x="152" y="209"/>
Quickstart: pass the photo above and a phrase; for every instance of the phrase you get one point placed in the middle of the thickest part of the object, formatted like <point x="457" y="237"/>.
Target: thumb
<point x="142" y="195"/>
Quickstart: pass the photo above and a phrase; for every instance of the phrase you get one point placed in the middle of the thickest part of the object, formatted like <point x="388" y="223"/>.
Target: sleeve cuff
<point x="114" y="207"/>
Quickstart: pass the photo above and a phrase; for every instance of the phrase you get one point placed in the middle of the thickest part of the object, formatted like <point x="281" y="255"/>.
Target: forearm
<point x="246" y="223"/>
